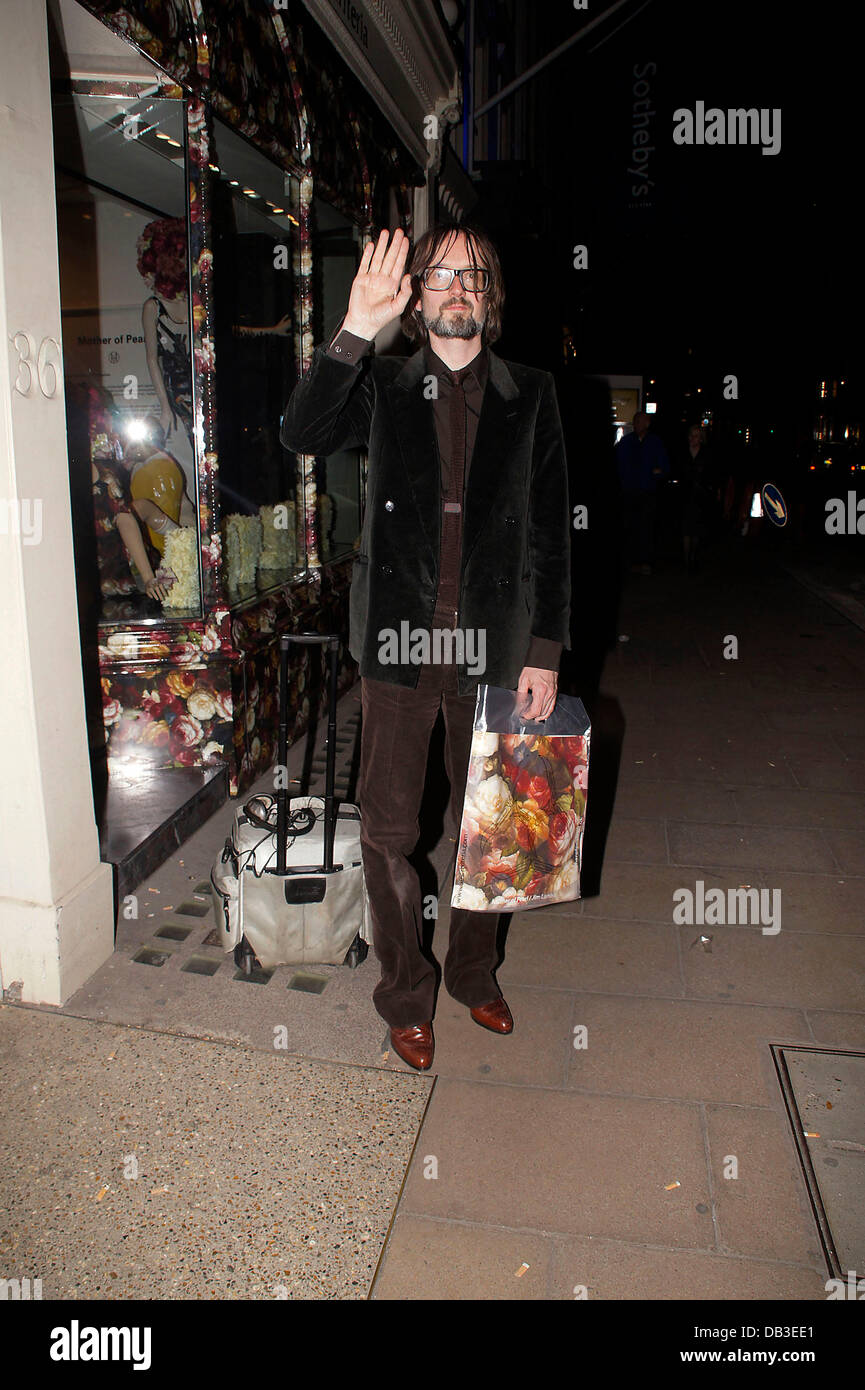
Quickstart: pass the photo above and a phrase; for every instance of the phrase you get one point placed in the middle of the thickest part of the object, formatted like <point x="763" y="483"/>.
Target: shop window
<point x="335" y="256"/>
<point x="254" y="222"/>
<point x="124" y="278"/>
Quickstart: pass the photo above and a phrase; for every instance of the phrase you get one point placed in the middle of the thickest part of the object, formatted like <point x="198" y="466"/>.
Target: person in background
<point x="699" y="493"/>
<point x="643" y="465"/>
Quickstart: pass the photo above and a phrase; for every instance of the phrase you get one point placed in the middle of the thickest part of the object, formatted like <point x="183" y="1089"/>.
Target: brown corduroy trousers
<point x="397" y="725"/>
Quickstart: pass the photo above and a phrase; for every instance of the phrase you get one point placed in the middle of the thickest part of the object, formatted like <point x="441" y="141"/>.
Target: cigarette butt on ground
<point x="521" y="1271"/>
<point x="671" y="1185"/>
<point x="811" y="1133"/>
<point x="101" y="1193"/>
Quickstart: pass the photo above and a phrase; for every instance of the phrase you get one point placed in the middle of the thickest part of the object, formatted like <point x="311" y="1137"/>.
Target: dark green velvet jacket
<point x="515" y="570"/>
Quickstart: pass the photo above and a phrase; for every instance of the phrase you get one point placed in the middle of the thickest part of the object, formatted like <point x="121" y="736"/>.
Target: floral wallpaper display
<point x="220" y="690"/>
<point x="195" y="688"/>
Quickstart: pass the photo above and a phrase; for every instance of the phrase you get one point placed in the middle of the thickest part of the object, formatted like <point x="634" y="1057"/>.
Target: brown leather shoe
<point x="414" y="1045"/>
<point x="495" y="1016"/>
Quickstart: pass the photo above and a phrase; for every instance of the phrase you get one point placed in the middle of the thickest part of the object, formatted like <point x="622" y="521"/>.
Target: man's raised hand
<point x="381" y="289"/>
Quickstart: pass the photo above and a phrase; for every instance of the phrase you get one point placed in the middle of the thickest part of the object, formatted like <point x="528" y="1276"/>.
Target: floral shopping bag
<point x="522" y="825"/>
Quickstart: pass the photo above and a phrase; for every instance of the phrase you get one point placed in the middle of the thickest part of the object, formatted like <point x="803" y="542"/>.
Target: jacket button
<point x="511" y="520"/>
<point x="388" y="506"/>
<point x="386" y="570"/>
<point x="503" y="583"/>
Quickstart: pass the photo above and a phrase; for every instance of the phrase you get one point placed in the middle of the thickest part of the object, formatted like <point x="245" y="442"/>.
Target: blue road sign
<point x="774" y="506"/>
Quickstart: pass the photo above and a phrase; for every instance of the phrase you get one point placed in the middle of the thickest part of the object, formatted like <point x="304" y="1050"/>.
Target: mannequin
<point x="158" y="490"/>
<point x="120" y="542"/>
<point x="165" y="321"/>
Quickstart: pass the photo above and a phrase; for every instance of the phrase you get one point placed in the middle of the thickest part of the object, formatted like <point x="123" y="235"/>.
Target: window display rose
<point x="185" y="732"/>
<point x="181" y="683"/>
<point x="201" y="705"/>
<point x="224" y="704"/>
<point x="111" y="711"/>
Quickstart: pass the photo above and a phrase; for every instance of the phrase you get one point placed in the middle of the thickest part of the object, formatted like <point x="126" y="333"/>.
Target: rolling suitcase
<point x="288" y="887"/>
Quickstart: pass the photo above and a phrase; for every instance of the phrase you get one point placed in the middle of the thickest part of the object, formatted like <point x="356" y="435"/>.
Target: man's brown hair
<point x="428" y="250"/>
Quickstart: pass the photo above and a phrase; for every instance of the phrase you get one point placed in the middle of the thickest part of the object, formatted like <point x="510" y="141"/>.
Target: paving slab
<point x="555" y="1162"/>
<point x="761" y="1203"/>
<point x="616" y="1271"/>
<point x="848" y="850"/>
<point x="748" y="846"/>
<point x="675" y="800"/>
<point x="830" y="775"/>
<point x="792" y="968"/>
<point x="834" y="1028"/>
<point x="534" y="1054"/>
<point x="143" y="1165"/>
<point x="561" y="951"/>
<point x="682" y="1048"/>
<point x="820" y="902"/>
<point x="435" y="1259"/>
<point x="645" y="892"/>
<point x="639" y="765"/>
<point x="636" y="841"/>
<point x="447" y="1260"/>
<point x="837" y="810"/>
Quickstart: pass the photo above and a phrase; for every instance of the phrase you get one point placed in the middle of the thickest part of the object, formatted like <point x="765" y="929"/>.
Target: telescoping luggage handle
<point x="307" y="639"/>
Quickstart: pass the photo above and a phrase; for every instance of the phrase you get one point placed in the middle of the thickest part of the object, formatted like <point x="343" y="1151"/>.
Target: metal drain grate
<point x="824" y="1091"/>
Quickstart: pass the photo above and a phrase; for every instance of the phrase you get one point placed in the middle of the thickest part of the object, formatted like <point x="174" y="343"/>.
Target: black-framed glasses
<point x="474" y="279"/>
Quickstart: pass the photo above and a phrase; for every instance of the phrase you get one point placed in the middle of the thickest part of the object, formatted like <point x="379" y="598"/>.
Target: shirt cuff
<point x="347" y="347"/>
<point x="543" y="653"/>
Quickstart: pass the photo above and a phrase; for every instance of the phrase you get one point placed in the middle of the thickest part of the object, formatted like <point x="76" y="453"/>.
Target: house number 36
<point x="42" y="365"/>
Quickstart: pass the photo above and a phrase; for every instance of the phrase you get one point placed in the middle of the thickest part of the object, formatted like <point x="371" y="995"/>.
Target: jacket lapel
<point x="415" y="429"/>
<point x="494" y="440"/>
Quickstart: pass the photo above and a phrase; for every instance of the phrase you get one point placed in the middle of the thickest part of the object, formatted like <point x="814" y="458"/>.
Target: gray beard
<point x="462" y="325"/>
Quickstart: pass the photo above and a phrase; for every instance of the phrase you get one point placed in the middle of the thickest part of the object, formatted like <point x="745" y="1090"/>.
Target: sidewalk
<point x="733" y="772"/>
<point x="523" y="1151"/>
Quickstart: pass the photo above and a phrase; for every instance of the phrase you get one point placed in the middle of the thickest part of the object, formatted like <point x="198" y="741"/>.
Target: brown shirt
<point x="457" y="403"/>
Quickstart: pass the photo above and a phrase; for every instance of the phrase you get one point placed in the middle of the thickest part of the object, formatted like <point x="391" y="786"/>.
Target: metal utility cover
<point x="824" y="1090"/>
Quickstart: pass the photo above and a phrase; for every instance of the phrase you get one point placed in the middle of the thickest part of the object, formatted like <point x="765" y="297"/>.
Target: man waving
<point x="465" y="538"/>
